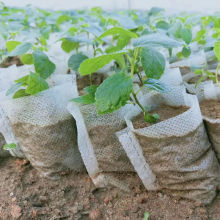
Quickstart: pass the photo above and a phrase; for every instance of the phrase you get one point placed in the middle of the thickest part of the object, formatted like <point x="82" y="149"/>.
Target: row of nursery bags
<point x="173" y="155"/>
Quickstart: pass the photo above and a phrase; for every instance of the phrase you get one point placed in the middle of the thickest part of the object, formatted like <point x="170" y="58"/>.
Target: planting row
<point x="112" y="92"/>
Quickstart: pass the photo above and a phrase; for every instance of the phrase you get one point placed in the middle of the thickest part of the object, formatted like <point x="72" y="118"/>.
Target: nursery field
<point x="109" y="114"/>
<point x="26" y="196"/>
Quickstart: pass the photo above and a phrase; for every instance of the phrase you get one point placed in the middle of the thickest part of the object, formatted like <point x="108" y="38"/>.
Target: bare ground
<point x="24" y="195"/>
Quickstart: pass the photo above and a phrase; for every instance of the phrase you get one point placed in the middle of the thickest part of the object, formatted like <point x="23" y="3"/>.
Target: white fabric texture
<point x="98" y="144"/>
<point x="45" y="130"/>
<point x="212" y="92"/>
<point x="177" y="152"/>
<point x="7" y="78"/>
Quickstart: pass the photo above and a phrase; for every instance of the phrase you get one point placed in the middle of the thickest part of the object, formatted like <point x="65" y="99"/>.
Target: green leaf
<point x="75" y="61"/>
<point x="91" y="65"/>
<point x="156" y="116"/>
<point x="62" y="19"/>
<point x="186" y="51"/>
<point x="89" y="98"/>
<point x="121" y="43"/>
<point x="201" y="79"/>
<point x="201" y="36"/>
<point x="156" y="40"/>
<point x="21" y="49"/>
<point x="42" y="64"/>
<point x="27" y="59"/>
<point x="11" y="45"/>
<point x="198" y="71"/>
<point x="156" y="85"/>
<point x="20" y="93"/>
<point x="14" y="88"/>
<point x="118" y="31"/>
<point x="162" y="25"/>
<point x="91" y="90"/>
<point x="94" y="29"/>
<point x="124" y="36"/>
<point x="113" y="93"/>
<point x="217" y="50"/>
<point x="22" y="80"/>
<point x="77" y="39"/>
<point x="9" y="146"/>
<point x="176" y="29"/>
<point x="186" y="35"/>
<point x="151" y="118"/>
<point x="121" y="61"/>
<point x="146" y="215"/>
<point x="36" y="84"/>
<point x="68" y="46"/>
<point x="153" y="62"/>
<point x="84" y="99"/>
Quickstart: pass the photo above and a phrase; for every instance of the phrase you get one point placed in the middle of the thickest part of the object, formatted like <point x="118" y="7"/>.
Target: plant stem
<point x="94" y="50"/>
<point x="138" y="103"/>
<point x="139" y="89"/>
<point x="129" y="59"/>
<point x="136" y="50"/>
<point x="90" y="79"/>
<point x="216" y="75"/>
<point x="140" y="78"/>
<point x="87" y="44"/>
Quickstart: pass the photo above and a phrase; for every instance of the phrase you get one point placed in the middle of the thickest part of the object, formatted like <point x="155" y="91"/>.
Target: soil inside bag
<point x="11" y="61"/>
<point x="46" y="131"/>
<point x="176" y="149"/>
<point x="195" y="79"/>
<point x="211" y="112"/>
<point x="84" y="81"/>
<point x="101" y="129"/>
<point x="165" y="112"/>
<point x="210" y="108"/>
<point x="184" y="70"/>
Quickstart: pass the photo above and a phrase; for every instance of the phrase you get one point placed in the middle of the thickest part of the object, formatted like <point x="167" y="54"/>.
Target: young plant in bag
<point x="34" y="82"/>
<point x="211" y="75"/>
<point x="118" y="89"/>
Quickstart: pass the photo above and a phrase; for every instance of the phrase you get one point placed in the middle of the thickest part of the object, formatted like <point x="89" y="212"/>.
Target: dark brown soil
<point x="165" y="112"/>
<point x="194" y="79"/>
<point x="11" y="61"/>
<point x="108" y="150"/>
<point x="25" y="196"/>
<point x="46" y="146"/>
<point x="185" y="70"/>
<point x="84" y="81"/>
<point x="210" y="108"/>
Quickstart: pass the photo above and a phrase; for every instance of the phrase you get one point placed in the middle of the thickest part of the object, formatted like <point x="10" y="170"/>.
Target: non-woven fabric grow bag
<point x="7" y="78"/>
<point x="195" y="88"/>
<point x="194" y="60"/>
<point x="100" y="149"/>
<point x="173" y="155"/>
<point x="210" y="108"/>
<point x="7" y="135"/>
<point x="7" y="82"/>
<point x="3" y="153"/>
<point x="45" y="130"/>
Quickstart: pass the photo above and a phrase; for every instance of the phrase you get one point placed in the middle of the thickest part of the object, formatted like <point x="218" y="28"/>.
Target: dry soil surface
<point x="24" y="195"/>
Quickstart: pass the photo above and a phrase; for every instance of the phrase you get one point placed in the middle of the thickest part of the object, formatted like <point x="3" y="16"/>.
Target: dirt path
<point x="24" y="195"/>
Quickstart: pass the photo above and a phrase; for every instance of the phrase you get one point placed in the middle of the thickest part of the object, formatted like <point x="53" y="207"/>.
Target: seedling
<point x="214" y="76"/>
<point x="34" y="82"/>
<point x="118" y="89"/>
<point x="146" y="215"/>
<point x="9" y="146"/>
